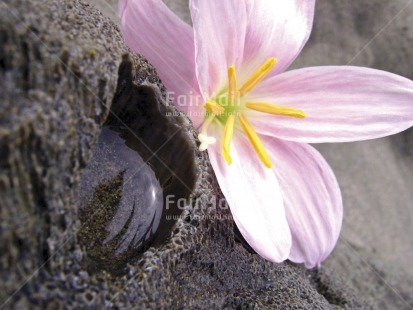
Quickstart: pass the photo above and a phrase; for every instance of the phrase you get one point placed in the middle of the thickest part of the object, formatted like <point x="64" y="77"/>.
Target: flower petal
<point x="276" y="29"/>
<point x="342" y="104"/>
<point x="151" y="29"/>
<point x="312" y="199"/>
<point x="246" y="34"/>
<point x="254" y="197"/>
<point x="219" y="28"/>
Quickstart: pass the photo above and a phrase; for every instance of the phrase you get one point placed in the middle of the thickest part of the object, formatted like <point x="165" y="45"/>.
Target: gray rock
<point x="59" y="65"/>
<point x="375" y="177"/>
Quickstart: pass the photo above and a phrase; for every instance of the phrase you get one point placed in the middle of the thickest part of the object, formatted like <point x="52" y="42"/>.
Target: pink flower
<point x="254" y="119"/>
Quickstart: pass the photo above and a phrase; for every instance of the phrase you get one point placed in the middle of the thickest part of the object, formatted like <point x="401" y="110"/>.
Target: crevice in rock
<point x="139" y="114"/>
<point x="142" y="127"/>
<point x="25" y="66"/>
<point x="323" y="287"/>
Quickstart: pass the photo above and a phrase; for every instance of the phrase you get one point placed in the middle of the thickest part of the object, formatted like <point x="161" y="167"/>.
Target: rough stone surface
<point x="376" y="177"/>
<point x="59" y="65"/>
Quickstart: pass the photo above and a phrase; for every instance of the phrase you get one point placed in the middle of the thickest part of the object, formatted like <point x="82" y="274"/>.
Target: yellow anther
<point x="232" y="85"/>
<point x="258" y="76"/>
<point x="213" y="107"/>
<point x="226" y="141"/>
<point x="275" y="109"/>
<point x="255" y="141"/>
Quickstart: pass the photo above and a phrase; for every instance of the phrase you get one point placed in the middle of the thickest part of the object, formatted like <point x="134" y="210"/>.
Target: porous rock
<point x="373" y="254"/>
<point x="58" y="69"/>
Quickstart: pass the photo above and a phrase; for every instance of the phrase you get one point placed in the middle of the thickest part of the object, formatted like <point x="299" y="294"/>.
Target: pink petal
<point x="151" y="29"/>
<point x="312" y="199"/>
<point x="342" y="104"/>
<point x="246" y="34"/>
<point x="276" y="29"/>
<point x="254" y="197"/>
<point x="219" y="28"/>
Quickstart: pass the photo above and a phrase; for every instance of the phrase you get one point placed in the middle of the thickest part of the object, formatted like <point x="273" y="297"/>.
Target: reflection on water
<point x="122" y="200"/>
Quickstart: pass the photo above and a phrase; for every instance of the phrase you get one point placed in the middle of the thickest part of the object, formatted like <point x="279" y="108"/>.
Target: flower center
<point x="229" y="106"/>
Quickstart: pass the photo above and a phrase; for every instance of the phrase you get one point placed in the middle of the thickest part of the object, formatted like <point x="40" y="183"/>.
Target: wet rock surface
<point x="121" y="203"/>
<point x="59" y="63"/>
<point x="140" y="177"/>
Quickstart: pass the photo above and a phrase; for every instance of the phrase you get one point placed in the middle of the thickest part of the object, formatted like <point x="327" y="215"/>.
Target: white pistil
<point x="205" y="141"/>
<point x="203" y="135"/>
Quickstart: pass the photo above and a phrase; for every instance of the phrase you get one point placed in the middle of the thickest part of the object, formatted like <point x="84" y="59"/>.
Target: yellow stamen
<point x="213" y="107"/>
<point x="258" y="76"/>
<point x="232" y="85"/>
<point x="275" y="109"/>
<point x="226" y="141"/>
<point x="255" y="141"/>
